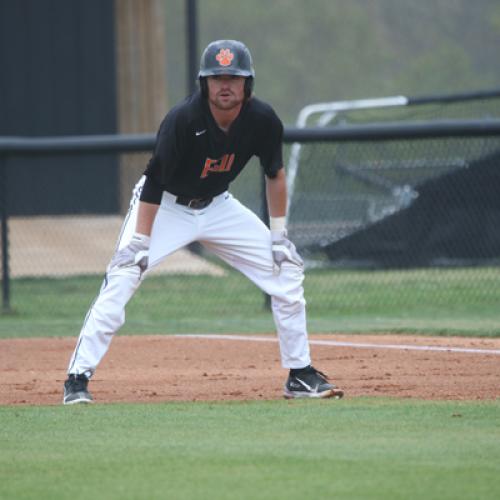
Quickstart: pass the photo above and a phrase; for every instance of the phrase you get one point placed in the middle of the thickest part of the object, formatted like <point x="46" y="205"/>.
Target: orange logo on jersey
<point x="225" y="56"/>
<point x="223" y="164"/>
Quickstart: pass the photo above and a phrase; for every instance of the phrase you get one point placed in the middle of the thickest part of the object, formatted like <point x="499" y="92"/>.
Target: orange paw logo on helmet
<point x="225" y="56"/>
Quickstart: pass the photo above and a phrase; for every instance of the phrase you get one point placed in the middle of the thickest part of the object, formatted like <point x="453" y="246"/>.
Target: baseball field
<point x="201" y="416"/>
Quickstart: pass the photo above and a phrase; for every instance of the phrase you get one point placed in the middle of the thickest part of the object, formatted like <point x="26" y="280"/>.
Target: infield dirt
<point x="167" y="368"/>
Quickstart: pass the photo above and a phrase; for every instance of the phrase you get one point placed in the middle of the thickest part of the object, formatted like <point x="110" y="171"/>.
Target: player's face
<point x="226" y="92"/>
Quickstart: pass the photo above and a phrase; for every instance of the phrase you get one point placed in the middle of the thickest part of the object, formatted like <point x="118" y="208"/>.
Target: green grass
<point x="434" y="301"/>
<point x="363" y="448"/>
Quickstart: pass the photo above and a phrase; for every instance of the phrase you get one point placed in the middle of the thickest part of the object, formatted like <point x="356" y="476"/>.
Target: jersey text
<point x="223" y="164"/>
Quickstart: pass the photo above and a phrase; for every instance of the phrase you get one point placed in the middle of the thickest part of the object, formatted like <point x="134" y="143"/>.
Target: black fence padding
<point x="58" y="78"/>
<point x="454" y="221"/>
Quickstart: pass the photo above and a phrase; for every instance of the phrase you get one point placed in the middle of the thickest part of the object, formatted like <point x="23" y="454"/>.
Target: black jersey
<point x="194" y="158"/>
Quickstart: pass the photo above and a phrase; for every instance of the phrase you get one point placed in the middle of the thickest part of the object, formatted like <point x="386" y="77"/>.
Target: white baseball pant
<point x="226" y="228"/>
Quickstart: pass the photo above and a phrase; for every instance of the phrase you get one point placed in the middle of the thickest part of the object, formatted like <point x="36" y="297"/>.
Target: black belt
<point x="196" y="203"/>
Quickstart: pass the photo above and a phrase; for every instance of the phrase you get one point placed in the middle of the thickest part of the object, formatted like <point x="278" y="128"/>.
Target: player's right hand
<point x="133" y="254"/>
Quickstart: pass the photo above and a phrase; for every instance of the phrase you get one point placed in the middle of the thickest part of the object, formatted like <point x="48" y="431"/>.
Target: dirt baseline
<point x="170" y="368"/>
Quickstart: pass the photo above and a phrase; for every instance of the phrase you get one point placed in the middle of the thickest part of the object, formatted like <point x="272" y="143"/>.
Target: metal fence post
<point x="192" y="44"/>
<point x="5" y="235"/>
<point x="265" y="218"/>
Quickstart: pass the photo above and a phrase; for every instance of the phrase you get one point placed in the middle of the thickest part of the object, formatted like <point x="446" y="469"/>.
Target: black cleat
<point x="75" y="390"/>
<point x="310" y="383"/>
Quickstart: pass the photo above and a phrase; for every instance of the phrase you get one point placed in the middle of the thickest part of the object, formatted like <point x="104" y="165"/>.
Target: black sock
<point x="295" y="371"/>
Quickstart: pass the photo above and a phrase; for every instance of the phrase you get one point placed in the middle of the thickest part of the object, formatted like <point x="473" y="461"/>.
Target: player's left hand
<point x="284" y="251"/>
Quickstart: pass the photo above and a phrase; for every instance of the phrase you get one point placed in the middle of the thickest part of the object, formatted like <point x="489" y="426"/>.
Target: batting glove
<point x="134" y="254"/>
<point x="284" y="251"/>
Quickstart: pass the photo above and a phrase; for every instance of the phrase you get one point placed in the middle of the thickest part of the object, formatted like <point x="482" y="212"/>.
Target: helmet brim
<point x="225" y="71"/>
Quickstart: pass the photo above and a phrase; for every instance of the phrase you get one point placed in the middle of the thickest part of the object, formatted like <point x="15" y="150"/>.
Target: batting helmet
<point x="226" y="57"/>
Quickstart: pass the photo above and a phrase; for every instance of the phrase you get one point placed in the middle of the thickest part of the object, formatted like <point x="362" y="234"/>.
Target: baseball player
<point x="202" y="145"/>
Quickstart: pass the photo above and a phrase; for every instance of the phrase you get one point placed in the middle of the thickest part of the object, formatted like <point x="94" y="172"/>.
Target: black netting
<point x="365" y="203"/>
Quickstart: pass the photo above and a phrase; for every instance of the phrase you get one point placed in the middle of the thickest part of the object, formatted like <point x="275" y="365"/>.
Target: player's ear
<point x="203" y="86"/>
<point x="248" y="89"/>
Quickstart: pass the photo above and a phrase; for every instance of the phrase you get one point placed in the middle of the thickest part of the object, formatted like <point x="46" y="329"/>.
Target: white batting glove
<point x="284" y="251"/>
<point x="134" y="254"/>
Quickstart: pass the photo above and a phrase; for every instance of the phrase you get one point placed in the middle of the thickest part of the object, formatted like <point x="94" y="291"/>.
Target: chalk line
<point x="355" y="345"/>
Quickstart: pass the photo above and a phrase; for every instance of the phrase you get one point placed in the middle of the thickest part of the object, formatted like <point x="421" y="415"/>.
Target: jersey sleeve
<point x="271" y="145"/>
<point x="151" y="191"/>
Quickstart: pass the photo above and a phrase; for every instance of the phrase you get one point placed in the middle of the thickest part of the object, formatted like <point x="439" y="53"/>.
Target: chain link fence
<point x="398" y="234"/>
<point x="393" y="204"/>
